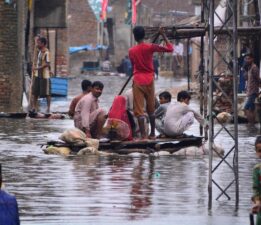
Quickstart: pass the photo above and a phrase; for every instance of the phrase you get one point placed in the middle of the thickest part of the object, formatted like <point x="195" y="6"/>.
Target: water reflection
<point x="141" y="188"/>
<point x="114" y="190"/>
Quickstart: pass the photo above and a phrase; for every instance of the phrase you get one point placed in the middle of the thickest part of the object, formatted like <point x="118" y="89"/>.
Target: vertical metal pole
<point x="188" y="65"/>
<point x="210" y="97"/>
<point x="235" y="101"/>
<point x="131" y="38"/>
<point x="201" y="67"/>
<point x="55" y="55"/>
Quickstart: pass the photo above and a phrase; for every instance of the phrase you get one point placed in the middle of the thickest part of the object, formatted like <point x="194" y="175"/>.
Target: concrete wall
<point x="12" y="19"/>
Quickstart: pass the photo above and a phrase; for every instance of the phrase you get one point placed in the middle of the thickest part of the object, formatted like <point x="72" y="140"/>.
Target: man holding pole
<point x="41" y="86"/>
<point x="143" y="77"/>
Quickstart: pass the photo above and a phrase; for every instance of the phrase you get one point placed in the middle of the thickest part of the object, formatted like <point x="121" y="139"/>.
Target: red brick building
<point x="12" y="17"/>
<point x="82" y="30"/>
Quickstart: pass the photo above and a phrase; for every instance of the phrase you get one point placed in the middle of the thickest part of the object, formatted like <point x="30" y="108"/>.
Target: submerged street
<point x="52" y="189"/>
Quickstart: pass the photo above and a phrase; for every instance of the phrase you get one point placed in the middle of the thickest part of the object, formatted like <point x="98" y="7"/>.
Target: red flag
<point x="134" y="12"/>
<point x="104" y="9"/>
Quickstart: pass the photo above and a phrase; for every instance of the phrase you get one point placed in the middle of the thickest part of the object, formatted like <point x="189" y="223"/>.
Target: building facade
<point x="12" y="17"/>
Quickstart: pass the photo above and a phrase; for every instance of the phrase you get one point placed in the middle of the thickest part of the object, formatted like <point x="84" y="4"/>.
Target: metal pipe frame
<point x="213" y="133"/>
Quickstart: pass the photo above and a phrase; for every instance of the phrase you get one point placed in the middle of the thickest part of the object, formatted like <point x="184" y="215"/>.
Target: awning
<point x="86" y="48"/>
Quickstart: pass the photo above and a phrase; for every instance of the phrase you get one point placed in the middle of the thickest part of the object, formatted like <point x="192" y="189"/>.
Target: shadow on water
<point x="117" y="190"/>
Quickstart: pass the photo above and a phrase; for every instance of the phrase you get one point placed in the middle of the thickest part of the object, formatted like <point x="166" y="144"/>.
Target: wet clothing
<point x="252" y="89"/>
<point x="141" y="92"/>
<point x="41" y="87"/>
<point x="41" y="80"/>
<point x="179" y="117"/>
<point x="9" y="214"/>
<point x="118" y="114"/>
<point x="250" y="102"/>
<point x="253" y="80"/>
<point x="73" y="104"/>
<point x="143" y="75"/>
<point x="257" y="189"/>
<point x="160" y="113"/>
<point x="86" y="112"/>
<point x="141" y="59"/>
<point x="134" y="122"/>
<point x="42" y="60"/>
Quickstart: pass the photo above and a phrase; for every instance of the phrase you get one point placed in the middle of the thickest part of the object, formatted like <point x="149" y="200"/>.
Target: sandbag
<point x="87" y="151"/>
<point x="73" y="136"/>
<point x="190" y="151"/>
<point x="94" y="151"/>
<point x="224" y="117"/>
<point x="94" y="143"/>
<point x="58" y="150"/>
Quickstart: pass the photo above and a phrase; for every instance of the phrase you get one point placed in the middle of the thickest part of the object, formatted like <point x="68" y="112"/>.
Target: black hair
<point x="183" y="95"/>
<point x="97" y="84"/>
<point x="86" y="84"/>
<point x="139" y="33"/>
<point x="43" y="40"/>
<point x="166" y="95"/>
<point x="258" y="140"/>
<point x="249" y="54"/>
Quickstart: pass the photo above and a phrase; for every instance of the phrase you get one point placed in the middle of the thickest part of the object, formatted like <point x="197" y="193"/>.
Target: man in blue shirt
<point x="9" y="214"/>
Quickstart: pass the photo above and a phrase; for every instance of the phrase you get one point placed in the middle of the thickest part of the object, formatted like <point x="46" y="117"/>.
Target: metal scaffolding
<point x="210" y="84"/>
<point x="212" y="58"/>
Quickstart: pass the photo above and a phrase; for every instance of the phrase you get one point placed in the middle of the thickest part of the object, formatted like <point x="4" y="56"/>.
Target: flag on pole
<point x="131" y="11"/>
<point x="104" y="9"/>
<point x="128" y="13"/>
<point x="134" y="13"/>
<point x="96" y="6"/>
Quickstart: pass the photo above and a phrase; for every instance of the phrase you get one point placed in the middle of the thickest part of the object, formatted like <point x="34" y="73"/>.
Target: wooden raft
<point x="170" y="145"/>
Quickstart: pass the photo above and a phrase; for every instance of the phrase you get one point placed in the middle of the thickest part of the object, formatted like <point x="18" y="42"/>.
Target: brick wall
<point x="62" y="57"/>
<point x="82" y="24"/>
<point x="11" y="74"/>
<point x="82" y="30"/>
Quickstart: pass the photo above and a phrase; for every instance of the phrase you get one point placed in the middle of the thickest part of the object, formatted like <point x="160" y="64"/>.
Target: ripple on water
<point x="117" y="190"/>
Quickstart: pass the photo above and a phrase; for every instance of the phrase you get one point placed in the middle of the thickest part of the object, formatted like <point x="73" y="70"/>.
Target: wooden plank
<point x="147" y="147"/>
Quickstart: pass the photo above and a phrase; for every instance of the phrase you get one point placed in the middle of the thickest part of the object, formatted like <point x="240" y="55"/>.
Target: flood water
<point x="75" y="190"/>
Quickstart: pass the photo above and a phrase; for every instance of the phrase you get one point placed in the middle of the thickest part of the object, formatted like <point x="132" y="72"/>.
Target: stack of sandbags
<point x="190" y="151"/>
<point x="92" y="147"/>
<point x="65" y="151"/>
<point x="74" y="137"/>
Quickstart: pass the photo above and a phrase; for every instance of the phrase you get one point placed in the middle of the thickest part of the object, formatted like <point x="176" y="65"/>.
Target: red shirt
<point x="141" y="60"/>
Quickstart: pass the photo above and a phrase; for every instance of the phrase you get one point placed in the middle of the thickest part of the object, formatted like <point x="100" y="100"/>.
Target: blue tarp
<point x="86" y="48"/>
<point x="8" y="209"/>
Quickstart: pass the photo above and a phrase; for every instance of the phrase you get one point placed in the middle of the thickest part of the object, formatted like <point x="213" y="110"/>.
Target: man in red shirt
<point x="143" y="77"/>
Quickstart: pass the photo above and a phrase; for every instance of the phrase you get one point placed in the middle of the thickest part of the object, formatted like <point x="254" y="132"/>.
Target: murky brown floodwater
<point x="52" y="189"/>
